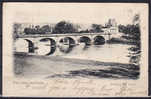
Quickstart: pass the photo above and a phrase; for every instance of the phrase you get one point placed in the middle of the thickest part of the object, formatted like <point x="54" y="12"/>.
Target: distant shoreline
<point x="120" y="41"/>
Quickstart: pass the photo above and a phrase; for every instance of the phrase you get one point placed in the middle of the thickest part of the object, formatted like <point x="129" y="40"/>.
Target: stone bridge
<point x="57" y="40"/>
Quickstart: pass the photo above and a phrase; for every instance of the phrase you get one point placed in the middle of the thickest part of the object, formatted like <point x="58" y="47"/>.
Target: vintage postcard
<point x="75" y="49"/>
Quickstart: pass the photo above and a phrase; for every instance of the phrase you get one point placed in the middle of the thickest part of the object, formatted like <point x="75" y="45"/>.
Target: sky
<point x="83" y="13"/>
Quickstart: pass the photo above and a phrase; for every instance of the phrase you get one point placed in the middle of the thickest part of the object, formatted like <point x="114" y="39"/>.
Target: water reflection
<point x="86" y="47"/>
<point x="99" y="40"/>
<point x="66" y="48"/>
<point x="66" y="44"/>
<point x="46" y="46"/>
<point x="106" y="53"/>
<point x="86" y="40"/>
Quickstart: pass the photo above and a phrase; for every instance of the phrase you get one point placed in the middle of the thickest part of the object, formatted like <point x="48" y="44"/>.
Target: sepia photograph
<point x="76" y="45"/>
<point x="77" y="41"/>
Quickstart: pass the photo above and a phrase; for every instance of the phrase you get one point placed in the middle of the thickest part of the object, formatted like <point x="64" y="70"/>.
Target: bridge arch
<point x="49" y="42"/>
<point x="24" y="45"/>
<point x="85" y="39"/>
<point x="67" y="41"/>
<point x="30" y="46"/>
<point x="99" y="40"/>
<point x="67" y="44"/>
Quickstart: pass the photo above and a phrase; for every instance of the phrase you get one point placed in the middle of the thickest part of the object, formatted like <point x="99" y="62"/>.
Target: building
<point x="111" y="26"/>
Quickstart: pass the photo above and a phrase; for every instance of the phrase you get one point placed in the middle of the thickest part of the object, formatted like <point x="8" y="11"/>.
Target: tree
<point x="16" y="28"/>
<point x="96" y="28"/>
<point x="134" y="36"/>
<point x="46" y="28"/>
<point x="136" y="49"/>
<point x="64" y="27"/>
<point x="136" y="19"/>
<point x="122" y="28"/>
<point x="28" y="31"/>
<point x="37" y="30"/>
<point x="34" y="30"/>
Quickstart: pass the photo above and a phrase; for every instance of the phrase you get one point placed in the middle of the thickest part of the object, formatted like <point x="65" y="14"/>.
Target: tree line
<point x="133" y="34"/>
<point x="62" y="27"/>
<point x="37" y="29"/>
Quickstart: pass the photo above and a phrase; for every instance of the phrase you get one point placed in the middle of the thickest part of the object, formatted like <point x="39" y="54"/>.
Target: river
<point x="102" y="61"/>
<point x="106" y="53"/>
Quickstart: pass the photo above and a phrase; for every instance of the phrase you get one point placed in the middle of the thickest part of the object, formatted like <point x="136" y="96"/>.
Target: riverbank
<point x="34" y="66"/>
<point x="120" y="40"/>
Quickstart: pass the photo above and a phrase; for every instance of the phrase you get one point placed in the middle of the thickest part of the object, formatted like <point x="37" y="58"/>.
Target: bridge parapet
<point x="58" y="35"/>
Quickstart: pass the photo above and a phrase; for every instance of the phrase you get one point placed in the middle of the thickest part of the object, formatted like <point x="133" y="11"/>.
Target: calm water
<point x="105" y="53"/>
